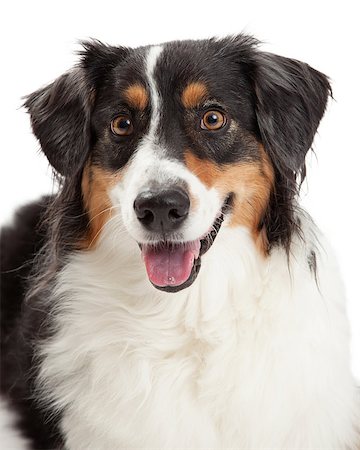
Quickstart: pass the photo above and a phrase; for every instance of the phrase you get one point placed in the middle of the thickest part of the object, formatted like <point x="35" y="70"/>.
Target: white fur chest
<point x="248" y="357"/>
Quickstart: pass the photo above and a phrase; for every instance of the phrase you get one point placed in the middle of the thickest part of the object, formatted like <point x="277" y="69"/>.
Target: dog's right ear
<point x="60" y="118"/>
<point x="60" y="112"/>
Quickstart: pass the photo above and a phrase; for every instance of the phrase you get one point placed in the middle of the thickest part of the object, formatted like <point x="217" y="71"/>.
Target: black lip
<point x="208" y="240"/>
<point x="206" y="243"/>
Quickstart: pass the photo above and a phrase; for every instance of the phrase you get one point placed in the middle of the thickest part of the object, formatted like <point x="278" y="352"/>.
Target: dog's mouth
<point x="173" y="266"/>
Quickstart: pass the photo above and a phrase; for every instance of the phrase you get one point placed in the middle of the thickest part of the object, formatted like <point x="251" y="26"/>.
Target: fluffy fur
<point x="252" y="350"/>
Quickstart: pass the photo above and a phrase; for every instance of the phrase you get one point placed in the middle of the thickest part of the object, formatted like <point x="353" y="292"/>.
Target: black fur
<point x="312" y="262"/>
<point x="60" y="117"/>
<point x="216" y="65"/>
<point x="273" y="100"/>
<point x="22" y="323"/>
<point x="291" y="100"/>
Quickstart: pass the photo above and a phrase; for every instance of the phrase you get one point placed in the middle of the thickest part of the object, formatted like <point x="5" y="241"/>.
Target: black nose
<point x="162" y="211"/>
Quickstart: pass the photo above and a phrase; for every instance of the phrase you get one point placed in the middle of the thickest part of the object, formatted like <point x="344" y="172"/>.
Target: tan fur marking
<point x="251" y="182"/>
<point x="95" y="185"/>
<point x="136" y="96"/>
<point x="194" y="94"/>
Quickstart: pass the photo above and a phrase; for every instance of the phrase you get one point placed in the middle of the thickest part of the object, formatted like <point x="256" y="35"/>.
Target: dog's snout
<point x="162" y="210"/>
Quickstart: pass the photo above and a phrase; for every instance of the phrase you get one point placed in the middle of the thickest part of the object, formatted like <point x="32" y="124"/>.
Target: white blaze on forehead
<point x="151" y="60"/>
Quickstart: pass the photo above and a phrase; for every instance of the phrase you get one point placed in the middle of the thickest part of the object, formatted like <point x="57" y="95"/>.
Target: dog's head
<point x="182" y="139"/>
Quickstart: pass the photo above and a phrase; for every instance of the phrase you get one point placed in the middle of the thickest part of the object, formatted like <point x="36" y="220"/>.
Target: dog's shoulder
<point x="20" y="241"/>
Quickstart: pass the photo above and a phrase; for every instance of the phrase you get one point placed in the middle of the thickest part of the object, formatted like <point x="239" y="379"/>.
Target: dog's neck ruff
<point x="205" y="360"/>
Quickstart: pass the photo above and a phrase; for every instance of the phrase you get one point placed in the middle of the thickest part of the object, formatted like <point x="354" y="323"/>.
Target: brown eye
<point x="122" y="126"/>
<point x="213" y="120"/>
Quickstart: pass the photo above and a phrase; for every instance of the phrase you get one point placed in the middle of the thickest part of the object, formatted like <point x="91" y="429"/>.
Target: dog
<point x="173" y="294"/>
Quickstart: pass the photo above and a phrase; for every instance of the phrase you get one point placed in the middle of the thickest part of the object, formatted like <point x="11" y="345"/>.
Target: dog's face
<point x="178" y="150"/>
<point x="180" y="140"/>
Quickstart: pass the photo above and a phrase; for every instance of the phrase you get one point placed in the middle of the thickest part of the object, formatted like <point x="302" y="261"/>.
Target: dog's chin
<point x="173" y="266"/>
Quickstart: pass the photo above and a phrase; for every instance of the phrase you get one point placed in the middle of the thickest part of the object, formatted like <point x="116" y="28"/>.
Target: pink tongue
<point x="170" y="265"/>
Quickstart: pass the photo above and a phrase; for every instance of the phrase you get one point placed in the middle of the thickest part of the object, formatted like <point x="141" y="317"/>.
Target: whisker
<point x="102" y="212"/>
<point x="102" y="227"/>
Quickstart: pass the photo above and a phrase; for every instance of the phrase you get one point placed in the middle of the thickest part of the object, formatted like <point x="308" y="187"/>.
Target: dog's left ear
<point x="291" y="98"/>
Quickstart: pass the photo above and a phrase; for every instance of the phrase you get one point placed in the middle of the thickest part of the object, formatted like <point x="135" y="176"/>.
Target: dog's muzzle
<point x="172" y="265"/>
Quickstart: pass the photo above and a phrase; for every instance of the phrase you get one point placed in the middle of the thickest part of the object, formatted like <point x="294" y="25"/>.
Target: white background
<point x="38" y="43"/>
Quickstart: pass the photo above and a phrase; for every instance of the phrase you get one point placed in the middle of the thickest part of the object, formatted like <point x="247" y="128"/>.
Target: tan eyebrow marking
<point x="194" y="94"/>
<point x="137" y="96"/>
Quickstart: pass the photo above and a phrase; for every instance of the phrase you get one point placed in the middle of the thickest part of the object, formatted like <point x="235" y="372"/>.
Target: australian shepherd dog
<point x="173" y="294"/>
